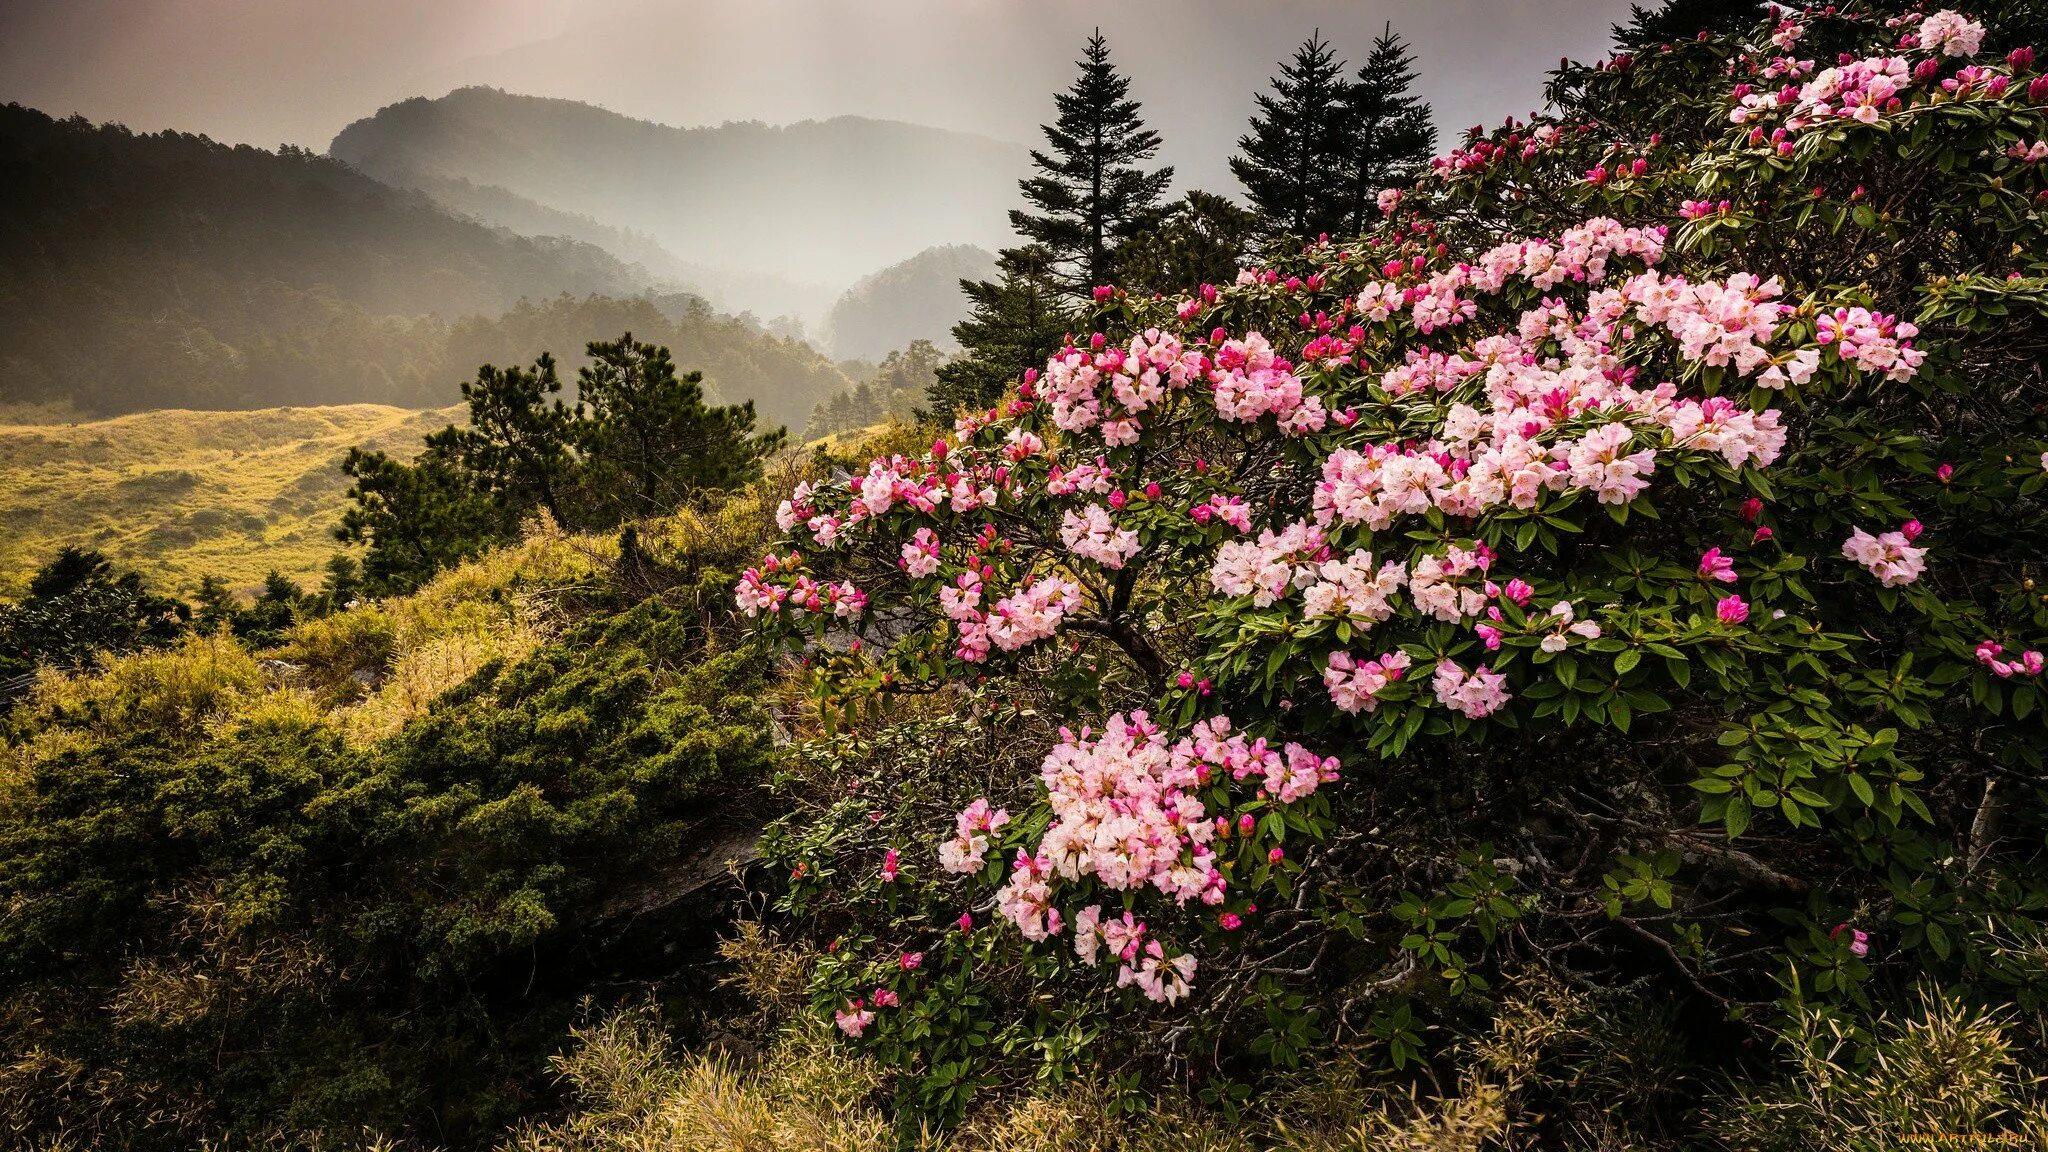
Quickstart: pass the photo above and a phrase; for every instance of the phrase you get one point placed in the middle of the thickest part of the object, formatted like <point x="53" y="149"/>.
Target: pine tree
<point x="1391" y="137"/>
<point x="1293" y="162"/>
<point x="648" y="442"/>
<point x="1018" y="321"/>
<point x="518" y="436"/>
<point x="1091" y="195"/>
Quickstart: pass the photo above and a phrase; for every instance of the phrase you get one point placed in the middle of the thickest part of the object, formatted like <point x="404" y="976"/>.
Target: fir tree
<point x="418" y="518"/>
<point x="1390" y="134"/>
<point x="342" y="584"/>
<point x="1018" y="321"/>
<point x="79" y="605"/>
<point x="1091" y="195"/>
<point x="1293" y="162"/>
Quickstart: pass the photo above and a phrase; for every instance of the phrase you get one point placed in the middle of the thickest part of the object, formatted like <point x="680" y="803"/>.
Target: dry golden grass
<point x="181" y="494"/>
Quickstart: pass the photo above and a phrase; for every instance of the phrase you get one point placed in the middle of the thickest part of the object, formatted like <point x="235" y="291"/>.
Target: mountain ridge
<point x="825" y="201"/>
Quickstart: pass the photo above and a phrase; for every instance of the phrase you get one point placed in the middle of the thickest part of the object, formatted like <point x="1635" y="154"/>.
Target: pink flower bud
<point x="1944" y="472"/>
<point x="1245" y="824"/>
<point x="1276" y="855"/>
<point x="1152" y="491"/>
<point x="910" y="961"/>
<point x="966" y="922"/>
<point x="1911" y="529"/>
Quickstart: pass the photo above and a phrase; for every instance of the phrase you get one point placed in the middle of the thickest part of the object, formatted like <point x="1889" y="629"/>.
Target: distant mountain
<point x="765" y="296"/>
<point x="820" y="201"/>
<point x="161" y="271"/>
<point x="917" y="299"/>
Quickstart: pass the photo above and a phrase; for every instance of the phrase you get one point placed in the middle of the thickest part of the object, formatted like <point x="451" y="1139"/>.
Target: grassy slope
<point x="180" y="494"/>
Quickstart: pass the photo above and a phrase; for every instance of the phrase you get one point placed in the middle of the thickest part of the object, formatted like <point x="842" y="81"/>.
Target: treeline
<point x="144" y="271"/>
<point x="1323" y="143"/>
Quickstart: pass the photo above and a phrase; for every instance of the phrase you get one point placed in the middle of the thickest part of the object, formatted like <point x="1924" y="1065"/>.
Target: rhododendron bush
<point x="1622" y="561"/>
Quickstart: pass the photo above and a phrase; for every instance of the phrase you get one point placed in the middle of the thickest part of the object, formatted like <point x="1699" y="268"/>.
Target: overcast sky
<point x="296" y="71"/>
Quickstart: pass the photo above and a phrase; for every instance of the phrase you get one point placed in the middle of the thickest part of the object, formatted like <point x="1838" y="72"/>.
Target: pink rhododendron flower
<point x="1476" y="695"/>
<point x="854" y="1018"/>
<point x="1731" y="610"/>
<point x="1890" y="556"/>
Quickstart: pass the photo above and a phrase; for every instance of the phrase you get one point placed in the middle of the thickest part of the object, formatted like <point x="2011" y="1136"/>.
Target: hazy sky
<point x="273" y="71"/>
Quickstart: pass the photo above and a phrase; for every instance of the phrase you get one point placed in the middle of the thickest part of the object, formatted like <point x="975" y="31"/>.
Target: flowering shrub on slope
<point x="1673" y="460"/>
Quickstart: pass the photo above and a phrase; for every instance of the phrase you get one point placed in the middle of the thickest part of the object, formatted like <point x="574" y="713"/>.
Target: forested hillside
<point x="155" y="271"/>
<point x="165" y="270"/>
<point x="827" y="201"/>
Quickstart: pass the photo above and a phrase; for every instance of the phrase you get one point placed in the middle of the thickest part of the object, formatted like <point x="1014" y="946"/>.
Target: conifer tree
<point x="1389" y="130"/>
<point x="1293" y="161"/>
<point x="647" y="441"/>
<point x="1663" y="23"/>
<point x="1017" y="322"/>
<point x="1202" y="239"/>
<point x="1091" y="193"/>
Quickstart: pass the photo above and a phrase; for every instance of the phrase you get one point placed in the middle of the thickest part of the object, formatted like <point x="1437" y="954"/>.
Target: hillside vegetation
<point x="178" y="495"/>
<point x="165" y="270"/>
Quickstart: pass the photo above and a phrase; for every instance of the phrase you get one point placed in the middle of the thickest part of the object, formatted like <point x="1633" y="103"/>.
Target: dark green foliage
<point x="639" y="442"/>
<point x="342" y="585"/>
<point x="417" y="518"/>
<point x="215" y="605"/>
<point x="1322" y="147"/>
<point x="647" y="443"/>
<point x="1391" y="138"/>
<point x="1018" y="321"/>
<point x="77" y="606"/>
<point x="279" y="606"/>
<point x="1674" y="20"/>
<point x="1291" y="164"/>
<point x="517" y="442"/>
<point x="269" y="930"/>
<point x="1200" y="239"/>
<point x="1091" y="195"/>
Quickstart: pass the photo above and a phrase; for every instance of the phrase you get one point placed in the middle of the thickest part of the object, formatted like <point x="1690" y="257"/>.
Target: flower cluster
<point x="1475" y="695"/>
<point x="1355" y="685"/>
<point x="1871" y="341"/>
<point x="1991" y="654"/>
<point x="1890" y="556"/>
<point x="1125" y="813"/>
